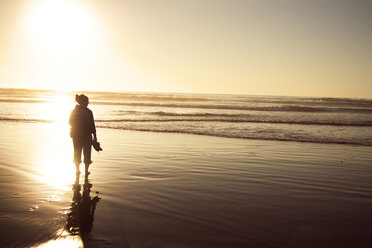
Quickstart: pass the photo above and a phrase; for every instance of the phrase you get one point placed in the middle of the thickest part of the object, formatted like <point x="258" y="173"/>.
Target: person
<point x="82" y="128"/>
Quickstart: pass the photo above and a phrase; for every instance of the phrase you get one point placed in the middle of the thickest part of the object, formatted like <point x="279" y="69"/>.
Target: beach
<point x="182" y="190"/>
<point x="224" y="124"/>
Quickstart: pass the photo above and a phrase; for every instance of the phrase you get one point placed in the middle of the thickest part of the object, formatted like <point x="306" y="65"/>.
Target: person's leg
<point x="87" y="150"/>
<point x="77" y="153"/>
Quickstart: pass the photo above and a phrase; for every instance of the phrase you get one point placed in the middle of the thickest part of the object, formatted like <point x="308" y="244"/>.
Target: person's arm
<point x="71" y="122"/>
<point x="93" y="127"/>
<point x="70" y="119"/>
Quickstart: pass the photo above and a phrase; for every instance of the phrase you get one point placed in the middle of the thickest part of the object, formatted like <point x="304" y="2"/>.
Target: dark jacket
<point x="82" y="123"/>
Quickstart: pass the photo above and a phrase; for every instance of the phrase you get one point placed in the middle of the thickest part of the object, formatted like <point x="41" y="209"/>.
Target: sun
<point x="71" y="45"/>
<point x="61" y="29"/>
<point x="60" y="44"/>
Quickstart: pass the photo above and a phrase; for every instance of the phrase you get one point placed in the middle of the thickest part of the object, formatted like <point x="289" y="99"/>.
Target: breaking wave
<point x="183" y="104"/>
<point x="304" y="139"/>
<point x="213" y="119"/>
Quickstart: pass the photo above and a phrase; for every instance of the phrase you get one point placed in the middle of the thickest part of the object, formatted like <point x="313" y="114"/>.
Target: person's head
<point x="82" y="100"/>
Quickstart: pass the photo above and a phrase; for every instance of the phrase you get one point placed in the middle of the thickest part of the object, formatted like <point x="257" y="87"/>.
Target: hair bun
<point x="81" y="99"/>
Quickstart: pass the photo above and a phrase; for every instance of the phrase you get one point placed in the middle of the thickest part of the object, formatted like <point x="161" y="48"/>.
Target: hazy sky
<point x="256" y="47"/>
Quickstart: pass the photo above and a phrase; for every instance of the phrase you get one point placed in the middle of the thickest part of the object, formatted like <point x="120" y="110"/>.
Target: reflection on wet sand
<point x="80" y="219"/>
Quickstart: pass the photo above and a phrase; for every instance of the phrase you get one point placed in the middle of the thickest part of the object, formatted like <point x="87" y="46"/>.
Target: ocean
<point x="280" y="118"/>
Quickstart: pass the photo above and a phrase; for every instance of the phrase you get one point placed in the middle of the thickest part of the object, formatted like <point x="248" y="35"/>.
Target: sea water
<point x="281" y="118"/>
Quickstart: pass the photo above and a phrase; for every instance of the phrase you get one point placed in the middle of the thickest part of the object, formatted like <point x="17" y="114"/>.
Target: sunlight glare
<point x="57" y="110"/>
<point x="57" y="172"/>
<point x="63" y="241"/>
<point x="55" y="166"/>
<point x="61" y="29"/>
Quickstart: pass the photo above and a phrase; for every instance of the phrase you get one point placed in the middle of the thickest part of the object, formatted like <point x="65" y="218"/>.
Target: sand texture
<point x="180" y="190"/>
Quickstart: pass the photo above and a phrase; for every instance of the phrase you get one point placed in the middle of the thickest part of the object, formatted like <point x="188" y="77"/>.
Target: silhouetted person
<point x="82" y="129"/>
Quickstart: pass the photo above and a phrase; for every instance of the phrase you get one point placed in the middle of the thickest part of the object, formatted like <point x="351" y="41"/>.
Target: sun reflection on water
<point x="57" y="109"/>
<point x="56" y="172"/>
<point x="63" y="241"/>
<point x="53" y="161"/>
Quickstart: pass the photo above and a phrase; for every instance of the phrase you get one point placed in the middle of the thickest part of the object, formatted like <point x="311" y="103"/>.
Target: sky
<point x="254" y="47"/>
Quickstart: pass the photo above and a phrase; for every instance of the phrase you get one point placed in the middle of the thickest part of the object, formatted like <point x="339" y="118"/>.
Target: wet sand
<point x="179" y="190"/>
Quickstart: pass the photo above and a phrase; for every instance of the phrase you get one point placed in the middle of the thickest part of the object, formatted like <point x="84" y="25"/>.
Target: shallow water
<point x="178" y="190"/>
<point x="301" y="119"/>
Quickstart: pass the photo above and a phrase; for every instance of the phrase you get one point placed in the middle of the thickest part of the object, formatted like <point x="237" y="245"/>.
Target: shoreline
<point x="190" y="133"/>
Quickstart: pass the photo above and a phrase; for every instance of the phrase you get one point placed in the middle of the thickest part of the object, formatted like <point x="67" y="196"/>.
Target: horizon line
<point x="170" y="92"/>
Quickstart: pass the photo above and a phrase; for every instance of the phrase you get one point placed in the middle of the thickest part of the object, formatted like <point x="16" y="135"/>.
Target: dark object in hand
<point x="96" y="145"/>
